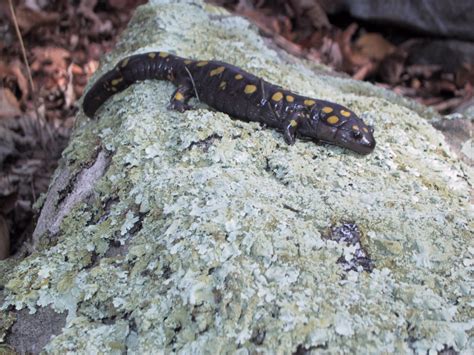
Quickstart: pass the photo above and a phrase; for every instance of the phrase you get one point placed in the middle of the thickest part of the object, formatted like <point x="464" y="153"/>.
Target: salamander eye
<point x="357" y="134"/>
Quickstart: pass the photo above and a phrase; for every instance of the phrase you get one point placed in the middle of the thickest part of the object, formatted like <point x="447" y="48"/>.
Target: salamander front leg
<point x="289" y="132"/>
<point x="290" y="128"/>
<point x="180" y="98"/>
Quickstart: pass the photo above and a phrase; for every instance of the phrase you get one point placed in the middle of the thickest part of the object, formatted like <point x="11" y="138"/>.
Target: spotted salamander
<point x="240" y="94"/>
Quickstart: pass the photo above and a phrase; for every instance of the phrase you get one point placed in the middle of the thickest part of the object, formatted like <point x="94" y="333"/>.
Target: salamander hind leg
<point x="180" y="98"/>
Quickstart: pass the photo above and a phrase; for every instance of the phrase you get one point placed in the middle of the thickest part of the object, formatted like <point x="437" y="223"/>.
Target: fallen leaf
<point x="392" y="66"/>
<point x="422" y="70"/>
<point x="9" y="105"/>
<point x="331" y="53"/>
<point x="364" y="71"/>
<point x="124" y="4"/>
<point x="86" y="8"/>
<point x="29" y="18"/>
<point x="16" y="68"/>
<point x="352" y="61"/>
<point x="313" y="10"/>
<point x="50" y="59"/>
<point x="374" y="46"/>
<point x="465" y="75"/>
<point x="13" y="78"/>
<point x="448" y="105"/>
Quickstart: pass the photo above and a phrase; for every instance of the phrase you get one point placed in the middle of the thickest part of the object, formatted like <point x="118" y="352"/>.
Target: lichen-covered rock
<point x="459" y="130"/>
<point x="193" y="232"/>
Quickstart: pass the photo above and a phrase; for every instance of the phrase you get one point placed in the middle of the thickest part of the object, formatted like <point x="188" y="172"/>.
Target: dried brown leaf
<point x="13" y="78"/>
<point x="450" y="104"/>
<point x="391" y="68"/>
<point x="351" y="60"/>
<point x="9" y="105"/>
<point x="50" y="59"/>
<point x="86" y="8"/>
<point x="421" y="70"/>
<point x="465" y="75"/>
<point x="364" y="71"/>
<point x="29" y="19"/>
<point x="16" y="69"/>
<point x="331" y="53"/>
<point x="374" y="46"/>
<point x="122" y="4"/>
<point x="313" y="10"/>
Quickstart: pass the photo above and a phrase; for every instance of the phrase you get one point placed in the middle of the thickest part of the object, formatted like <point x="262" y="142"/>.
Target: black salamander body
<point x="231" y="90"/>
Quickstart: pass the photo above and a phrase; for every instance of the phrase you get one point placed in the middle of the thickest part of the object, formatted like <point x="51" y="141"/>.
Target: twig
<point x="448" y="104"/>
<point x="39" y="119"/>
<point x="192" y="81"/>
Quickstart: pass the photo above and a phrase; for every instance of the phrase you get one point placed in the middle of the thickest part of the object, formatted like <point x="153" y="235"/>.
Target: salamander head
<point x="339" y="125"/>
<point x="356" y="135"/>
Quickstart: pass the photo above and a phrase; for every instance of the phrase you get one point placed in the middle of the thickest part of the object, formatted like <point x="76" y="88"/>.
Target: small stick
<point x="39" y="118"/>
<point x="192" y="81"/>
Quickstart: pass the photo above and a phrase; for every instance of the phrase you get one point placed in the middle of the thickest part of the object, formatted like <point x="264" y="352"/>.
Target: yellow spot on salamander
<point x="116" y="81"/>
<point x="293" y="123"/>
<point x="152" y="55"/>
<point x="309" y="102"/>
<point x="178" y="96"/>
<point x="114" y="89"/>
<point x="345" y="113"/>
<point x="355" y="127"/>
<point x="222" y="85"/>
<point x="327" y="109"/>
<point x="277" y="96"/>
<point x="333" y="119"/>
<point x="238" y="77"/>
<point x="164" y="54"/>
<point x="188" y="61"/>
<point x="124" y="62"/>
<point x="250" y="89"/>
<point x="216" y="71"/>
<point x="202" y="63"/>
<point x="365" y="130"/>
<point x="290" y="98"/>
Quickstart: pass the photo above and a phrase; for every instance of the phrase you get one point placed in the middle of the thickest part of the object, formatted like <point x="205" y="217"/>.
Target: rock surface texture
<point x="196" y="233"/>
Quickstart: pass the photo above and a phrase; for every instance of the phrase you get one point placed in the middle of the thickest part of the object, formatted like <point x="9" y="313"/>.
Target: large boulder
<point x="439" y="18"/>
<point x="197" y="233"/>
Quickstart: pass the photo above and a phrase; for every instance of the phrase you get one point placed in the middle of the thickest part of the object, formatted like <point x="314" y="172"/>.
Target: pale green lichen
<point x="206" y="234"/>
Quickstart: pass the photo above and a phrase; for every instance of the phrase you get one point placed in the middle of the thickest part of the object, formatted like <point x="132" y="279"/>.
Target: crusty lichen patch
<point x="222" y="223"/>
